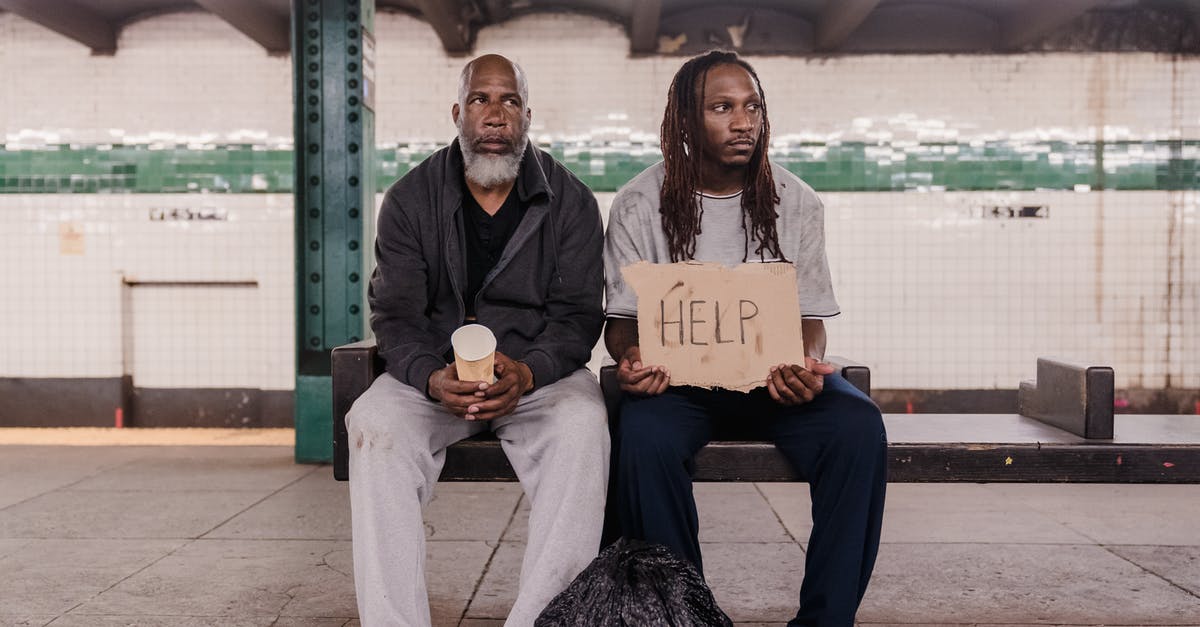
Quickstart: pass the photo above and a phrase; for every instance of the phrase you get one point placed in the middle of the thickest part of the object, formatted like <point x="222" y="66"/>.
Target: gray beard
<point x="487" y="170"/>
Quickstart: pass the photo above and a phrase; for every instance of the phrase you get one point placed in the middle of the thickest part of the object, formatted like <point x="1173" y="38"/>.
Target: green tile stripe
<point x="858" y="167"/>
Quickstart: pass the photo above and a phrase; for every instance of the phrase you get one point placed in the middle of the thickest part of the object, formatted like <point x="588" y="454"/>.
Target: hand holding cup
<point x="474" y="353"/>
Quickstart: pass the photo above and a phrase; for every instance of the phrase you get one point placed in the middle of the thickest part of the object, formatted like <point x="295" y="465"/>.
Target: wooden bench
<point x="1069" y="434"/>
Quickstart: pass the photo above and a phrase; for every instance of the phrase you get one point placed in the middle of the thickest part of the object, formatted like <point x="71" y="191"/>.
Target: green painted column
<point x="333" y="71"/>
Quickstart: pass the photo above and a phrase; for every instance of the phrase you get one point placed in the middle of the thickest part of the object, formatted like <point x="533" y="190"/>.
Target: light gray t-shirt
<point x="635" y="234"/>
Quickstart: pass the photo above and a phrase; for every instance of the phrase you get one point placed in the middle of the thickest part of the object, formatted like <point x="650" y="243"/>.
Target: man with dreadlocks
<point x="717" y="198"/>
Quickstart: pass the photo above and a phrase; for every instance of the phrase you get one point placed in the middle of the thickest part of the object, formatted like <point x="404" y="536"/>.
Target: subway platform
<point x="222" y="528"/>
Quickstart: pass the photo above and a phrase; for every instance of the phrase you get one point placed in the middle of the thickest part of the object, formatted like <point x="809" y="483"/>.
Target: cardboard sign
<point x="713" y="326"/>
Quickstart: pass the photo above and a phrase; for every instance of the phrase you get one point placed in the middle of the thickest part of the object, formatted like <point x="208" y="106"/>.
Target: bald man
<point x="493" y="231"/>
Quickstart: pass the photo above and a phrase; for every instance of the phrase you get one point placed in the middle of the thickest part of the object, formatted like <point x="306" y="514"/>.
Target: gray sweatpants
<point x="557" y="441"/>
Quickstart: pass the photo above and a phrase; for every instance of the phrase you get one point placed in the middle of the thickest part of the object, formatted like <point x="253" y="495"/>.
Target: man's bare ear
<point x="454" y="113"/>
<point x="528" y="115"/>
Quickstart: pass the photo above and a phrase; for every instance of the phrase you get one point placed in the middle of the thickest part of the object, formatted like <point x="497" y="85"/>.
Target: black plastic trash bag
<point x="634" y="583"/>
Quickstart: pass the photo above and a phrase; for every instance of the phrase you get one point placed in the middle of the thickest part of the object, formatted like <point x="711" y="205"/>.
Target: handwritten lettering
<point x="665" y="322"/>
<point x="695" y="320"/>
<point x="743" y="317"/>
<point x="689" y="322"/>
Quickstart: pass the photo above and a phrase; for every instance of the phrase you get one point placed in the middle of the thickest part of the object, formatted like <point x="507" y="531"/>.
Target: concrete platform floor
<point x="240" y="535"/>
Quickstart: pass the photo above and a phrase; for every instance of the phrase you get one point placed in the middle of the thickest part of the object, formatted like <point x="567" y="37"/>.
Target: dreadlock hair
<point x="683" y="151"/>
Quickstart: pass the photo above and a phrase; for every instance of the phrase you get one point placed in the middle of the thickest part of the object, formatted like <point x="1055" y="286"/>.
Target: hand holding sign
<point x="795" y="385"/>
<point x="713" y="326"/>
<point x="639" y="379"/>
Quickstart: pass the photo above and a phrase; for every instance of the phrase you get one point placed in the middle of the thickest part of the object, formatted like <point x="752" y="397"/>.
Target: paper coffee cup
<point x="474" y="353"/>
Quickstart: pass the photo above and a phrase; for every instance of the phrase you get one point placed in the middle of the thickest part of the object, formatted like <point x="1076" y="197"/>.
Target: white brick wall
<point x="190" y="76"/>
<point x="176" y="78"/>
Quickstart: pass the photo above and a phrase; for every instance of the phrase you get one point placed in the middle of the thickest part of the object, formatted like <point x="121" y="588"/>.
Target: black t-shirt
<point x="486" y="237"/>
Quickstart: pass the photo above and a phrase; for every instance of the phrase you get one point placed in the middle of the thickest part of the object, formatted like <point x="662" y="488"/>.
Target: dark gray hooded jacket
<point x="543" y="298"/>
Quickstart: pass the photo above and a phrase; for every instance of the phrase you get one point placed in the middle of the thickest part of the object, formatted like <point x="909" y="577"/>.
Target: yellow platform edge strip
<point x="108" y="436"/>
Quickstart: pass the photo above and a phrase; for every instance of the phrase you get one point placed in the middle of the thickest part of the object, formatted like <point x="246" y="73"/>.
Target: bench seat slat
<point x="922" y="447"/>
<point x="481" y="459"/>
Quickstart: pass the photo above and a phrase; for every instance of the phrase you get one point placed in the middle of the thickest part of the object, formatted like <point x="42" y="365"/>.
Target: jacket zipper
<point x="458" y="294"/>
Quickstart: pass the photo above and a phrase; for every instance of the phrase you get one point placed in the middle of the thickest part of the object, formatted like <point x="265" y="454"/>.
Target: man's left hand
<point x="513" y="378"/>
<point x="794" y="384"/>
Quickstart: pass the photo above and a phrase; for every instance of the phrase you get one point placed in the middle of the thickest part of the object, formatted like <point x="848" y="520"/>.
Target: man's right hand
<point x="638" y="379"/>
<point x="456" y="396"/>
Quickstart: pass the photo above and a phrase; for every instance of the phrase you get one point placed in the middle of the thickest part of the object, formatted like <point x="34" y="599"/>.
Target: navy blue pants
<point x="836" y="442"/>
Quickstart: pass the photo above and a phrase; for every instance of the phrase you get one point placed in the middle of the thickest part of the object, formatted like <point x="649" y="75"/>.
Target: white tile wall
<point x="198" y="337"/>
<point x="250" y="330"/>
<point x="74" y="316"/>
<point x="934" y="295"/>
<point x="931" y="291"/>
<point x="61" y="313"/>
<point x="1184" y="363"/>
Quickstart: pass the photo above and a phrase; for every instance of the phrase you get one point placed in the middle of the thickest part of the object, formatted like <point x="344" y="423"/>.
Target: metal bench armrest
<point x="1074" y="397"/>
<point x="355" y="368"/>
